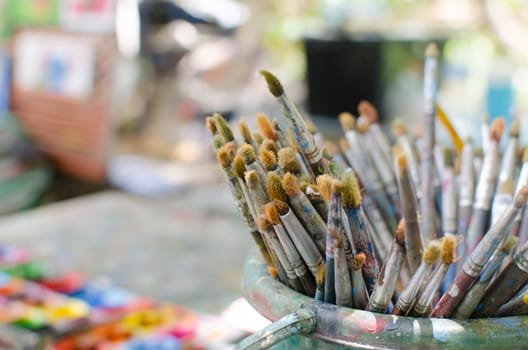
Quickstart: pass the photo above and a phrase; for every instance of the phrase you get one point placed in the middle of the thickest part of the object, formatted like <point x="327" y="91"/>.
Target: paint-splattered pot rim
<point x="346" y="327"/>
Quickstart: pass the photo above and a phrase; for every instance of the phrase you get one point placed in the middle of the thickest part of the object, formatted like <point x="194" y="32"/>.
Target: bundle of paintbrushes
<point x="410" y="229"/>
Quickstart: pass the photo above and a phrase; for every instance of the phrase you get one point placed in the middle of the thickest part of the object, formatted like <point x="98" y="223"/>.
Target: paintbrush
<point x="510" y="155"/>
<point x="478" y="160"/>
<point x="449" y="207"/>
<point x="267" y="130"/>
<point x="386" y="283"/>
<point x="425" y="298"/>
<point x="360" y="237"/>
<point x="268" y="159"/>
<point x="359" y="289"/>
<point x="243" y="130"/>
<point x="242" y="204"/>
<point x="485" y="188"/>
<point x="367" y="110"/>
<point x="383" y="168"/>
<point x="287" y="161"/>
<point x="516" y="306"/>
<point x="291" y="251"/>
<point x="217" y="142"/>
<point x="304" y="139"/>
<point x="210" y="125"/>
<point x="250" y="159"/>
<point x="506" y="284"/>
<point x="223" y="128"/>
<point x="269" y="145"/>
<point x="257" y="136"/>
<point x="478" y="258"/>
<point x="282" y="138"/>
<point x="466" y="189"/>
<point x="522" y="180"/>
<point x="409" y="206"/>
<point x="318" y="137"/>
<point x="292" y="280"/>
<point x="430" y="89"/>
<point x="362" y="165"/>
<point x="485" y="132"/>
<point x="315" y="197"/>
<point x="502" y="199"/>
<point x="409" y="293"/>
<point x="399" y="130"/>
<point x="305" y="211"/>
<point x="257" y="194"/>
<point x="444" y="120"/>
<point x="475" y="294"/>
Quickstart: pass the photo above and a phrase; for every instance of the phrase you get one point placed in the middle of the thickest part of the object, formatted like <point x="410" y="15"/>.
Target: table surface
<point x="187" y="248"/>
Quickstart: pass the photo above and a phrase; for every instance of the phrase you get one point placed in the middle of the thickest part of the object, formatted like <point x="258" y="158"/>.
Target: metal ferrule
<point x="522" y="181"/>
<point x="302" y="240"/>
<point x="500" y="202"/>
<point x="521" y="257"/>
<point x="249" y="201"/>
<point x="359" y="290"/>
<point x="381" y="140"/>
<point x="430" y="87"/>
<point x="493" y="265"/>
<point x="488" y="177"/>
<point x="410" y="291"/>
<point x="384" y="170"/>
<point x="449" y="201"/>
<point x="485" y="248"/>
<point x="433" y="284"/>
<point x="343" y="286"/>
<point x="259" y="198"/>
<point x="289" y="249"/>
<point x="470" y="301"/>
<point x="240" y="200"/>
<point x="261" y="173"/>
<point x="408" y="200"/>
<point x="310" y="218"/>
<point x="361" y="163"/>
<point x="507" y="167"/>
<point x="466" y="179"/>
<point x="379" y="227"/>
<point x="383" y="290"/>
<point x="409" y="151"/>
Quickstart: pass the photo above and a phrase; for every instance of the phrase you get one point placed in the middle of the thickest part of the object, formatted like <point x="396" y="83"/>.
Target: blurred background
<point x="103" y="103"/>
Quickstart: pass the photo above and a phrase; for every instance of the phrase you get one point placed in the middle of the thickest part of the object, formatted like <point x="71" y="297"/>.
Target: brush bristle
<point x="347" y="120"/>
<point x="252" y="179"/>
<point x="230" y="148"/>
<point x="521" y="197"/>
<point x="282" y="207"/>
<point x="269" y="145"/>
<point x="274" y="85"/>
<point x="400" y="232"/>
<point x="239" y="167"/>
<point x="327" y="154"/>
<point x="362" y="124"/>
<point x="515" y="127"/>
<point x="398" y="127"/>
<point x="510" y="243"/>
<point x="292" y="141"/>
<point x="218" y="141"/>
<point x="311" y="127"/>
<point x="243" y="130"/>
<point x="265" y="127"/>
<point x="525" y="155"/>
<point x="263" y="224"/>
<point x="291" y="185"/>
<point x="359" y="261"/>
<point x="272" y="214"/>
<point x="223" y="128"/>
<point x="272" y="271"/>
<point x="288" y="162"/>
<point x="247" y="152"/>
<point x="448" y="249"/>
<point x="401" y="160"/>
<point x="367" y="109"/>
<point x="257" y="136"/>
<point x="336" y="186"/>
<point x="351" y="191"/>
<point x="223" y="157"/>
<point x="506" y="186"/>
<point x="210" y="125"/>
<point x="274" y="187"/>
<point x="324" y="183"/>
<point x="431" y="253"/>
<point x="496" y="129"/>
<point x="320" y="275"/>
<point x="432" y="50"/>
<point x="267" y="159"/>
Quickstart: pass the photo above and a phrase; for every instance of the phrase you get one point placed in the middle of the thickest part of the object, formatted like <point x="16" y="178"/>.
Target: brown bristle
<point x="324" y="183"/>
<point x="247" y="152"/>
<point x="288" y="162"/>
<point x="362" y="124"/>
<point x="448" y="249"/>
<point x="343" y="143"/>
<point x="320" y="275"/>
<point x="351" y="191"/>
<point x="520" y="197"/>
<point x="291" y="184"/>
<point x="210" y="125"/>
<point x="336" y="186"/>
<point x="365" y="108"/>
<point x="269" y="145"/>
<point x="292" y="141"/>
<point x="456" y="165"/>
<point x="218" y="141"/>
<point x="327" y="154"/>
<point x="432" y="50"/>
<point x="265" y="127"/>
<point x="525" y="155"/>
<point x="515" y="127"/>
<point x="230" y="147"/>
<point x="274" y="187"/>
<point x="272" y="214"/>
<point x="257" y="136"/>
<point x="223" y="157"/>
<point x="239" y="167"/>
<point x="401" y="160"/>
<point x="282" y="207"/>
<point x="506" y="186"/>
<point x="243" y="129"/>
<point x="274" y="85"/>
<point x="272" y="271"/>
<point x="263" y="224"/>
<point x="359" y="261"/>
<point x="400" y="232"/>
<point x="311" y="127"/>
<point x="496" y="129"/>
<point x="223" y="128"/>
<point x="431" y="253"/>
<point x="398" y="127"/>
<point x="252" y="179"/>
<point x="347" y="120"/>
<point x="267" y="159"/>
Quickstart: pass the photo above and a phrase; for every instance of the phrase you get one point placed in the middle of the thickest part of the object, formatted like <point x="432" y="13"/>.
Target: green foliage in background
<point x="15" y="13"/>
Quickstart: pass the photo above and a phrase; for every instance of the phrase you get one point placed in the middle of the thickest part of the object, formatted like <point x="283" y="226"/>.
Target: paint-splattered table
<point x="187" y="248"/>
